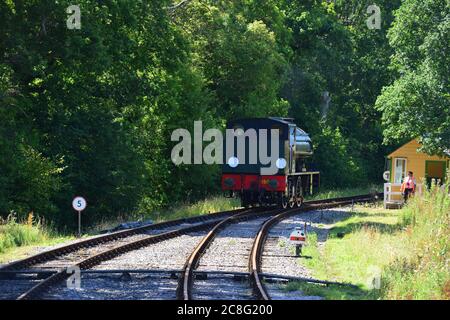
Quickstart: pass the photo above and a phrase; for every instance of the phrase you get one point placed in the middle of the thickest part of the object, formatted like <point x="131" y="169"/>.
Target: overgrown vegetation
<point x="209" y="205"/>
<point x="408" y="249"/>
<point x="182" y="210"/>
<point x="424" y="273"/>
<point x="16" y="235"/>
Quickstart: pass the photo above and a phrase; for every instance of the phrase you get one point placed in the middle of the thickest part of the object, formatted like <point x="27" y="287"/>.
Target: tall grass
<point x="209" y="205"/>
<point x="180" y="210"/>
<point x="424" y="273"/>
<point x="16" y="234"/>
<point x="408" y="248"/>
<point x="348" y="192"/>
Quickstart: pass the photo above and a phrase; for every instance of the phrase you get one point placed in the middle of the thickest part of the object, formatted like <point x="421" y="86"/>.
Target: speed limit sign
<point x="79" y="204"/>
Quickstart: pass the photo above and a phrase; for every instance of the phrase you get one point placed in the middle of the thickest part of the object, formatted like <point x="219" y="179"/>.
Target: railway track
<point x="27" y="277"/>
<point x="51" y="255"/>
<point x="37" y="274"/>
<point x="187" y="278"/>
<point x="191" y="286"/>
<point x="259" y="288"/>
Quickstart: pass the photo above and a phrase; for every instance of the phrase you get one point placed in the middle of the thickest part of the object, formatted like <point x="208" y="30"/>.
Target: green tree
<point x="94" y="102"/>
<point x="417" y="103"/>
<point x="237" y="49"/>
<point x="337" y="69"/>
<point x="369" y="73"/>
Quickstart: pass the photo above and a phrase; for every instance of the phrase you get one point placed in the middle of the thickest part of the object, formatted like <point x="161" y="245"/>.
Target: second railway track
<point x="24" y="279"/>
<point x="255" y="260"/>
<point x="223" y="250"/>
<point x="214" y="259"/>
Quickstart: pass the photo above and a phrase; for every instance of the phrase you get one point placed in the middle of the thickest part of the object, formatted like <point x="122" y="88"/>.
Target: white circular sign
<point x="387" y="175"/>
<point x="79" y="203"/>
<point x="281" y="163"/>
<point x="233" y="162"/>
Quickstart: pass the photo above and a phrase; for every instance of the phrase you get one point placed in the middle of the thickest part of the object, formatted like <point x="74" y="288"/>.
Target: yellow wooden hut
<point x="407" y="158"/>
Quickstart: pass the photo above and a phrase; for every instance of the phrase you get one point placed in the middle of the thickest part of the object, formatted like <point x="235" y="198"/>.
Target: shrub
<point x="16" y="234"/>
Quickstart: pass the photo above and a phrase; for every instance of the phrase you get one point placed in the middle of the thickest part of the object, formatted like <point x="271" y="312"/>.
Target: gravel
<point x="170" y="254"/>
<point x="117" y="287"/>
<point x="229" y="251"/>
<point x="222" y="287"/>
<point x="279" y="256"/>
<point x="84" y="253"/>
<point x="12" y="288"/>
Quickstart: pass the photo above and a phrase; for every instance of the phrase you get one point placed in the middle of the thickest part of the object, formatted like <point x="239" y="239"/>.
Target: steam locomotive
<point x="293" y="176"/>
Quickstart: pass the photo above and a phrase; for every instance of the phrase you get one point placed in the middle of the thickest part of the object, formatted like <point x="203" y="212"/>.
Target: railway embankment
<point x="386" y="254"/>
<point x="22" y="238"/>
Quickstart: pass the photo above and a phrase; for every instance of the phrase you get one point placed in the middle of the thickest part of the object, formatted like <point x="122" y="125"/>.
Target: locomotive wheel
<point x="299" y="193"/>
<point x="284" y="201"/>
<point x="291" y="195"/>
<point x="244" y="201"/>
<point x="291" y="202"/>
<point x="260" y="200"/>
<point x="299" y="201"/>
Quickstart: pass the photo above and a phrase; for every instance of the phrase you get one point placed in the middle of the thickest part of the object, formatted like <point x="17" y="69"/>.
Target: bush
<point x="15" y="234"/>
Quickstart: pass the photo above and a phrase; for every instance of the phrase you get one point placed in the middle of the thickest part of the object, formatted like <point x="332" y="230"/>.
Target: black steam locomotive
<point x="293" y="175"/>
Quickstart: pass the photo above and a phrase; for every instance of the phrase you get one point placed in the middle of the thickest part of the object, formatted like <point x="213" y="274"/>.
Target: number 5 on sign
<point x="79" y="204"/>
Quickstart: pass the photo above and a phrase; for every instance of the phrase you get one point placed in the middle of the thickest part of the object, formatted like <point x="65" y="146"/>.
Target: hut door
<point x="400" y="170"/>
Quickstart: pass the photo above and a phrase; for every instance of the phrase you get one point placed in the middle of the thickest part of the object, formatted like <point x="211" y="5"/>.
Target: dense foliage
<point x="417" y="104"/>
<point x="90" y="111"/>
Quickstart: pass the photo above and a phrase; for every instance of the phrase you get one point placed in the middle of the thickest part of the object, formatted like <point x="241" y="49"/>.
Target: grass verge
<point x="386" y="254"/>
<point x="208" y="205"/>
<point x="19" y="238"/>
<point x="337" y="193"/>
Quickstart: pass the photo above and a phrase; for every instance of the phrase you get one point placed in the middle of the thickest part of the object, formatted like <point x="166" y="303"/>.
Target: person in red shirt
<point x="408" y="186"/>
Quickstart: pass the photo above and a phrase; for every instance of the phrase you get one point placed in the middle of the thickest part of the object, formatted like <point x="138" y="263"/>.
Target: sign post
<point x="298" y="239"/>
<point x="79" y="204"/>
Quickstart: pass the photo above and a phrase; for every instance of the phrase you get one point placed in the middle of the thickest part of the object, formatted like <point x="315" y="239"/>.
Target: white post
<point x="79" y="224"/>
<point x="79" y="204"/>
<point x="385" y="194"/>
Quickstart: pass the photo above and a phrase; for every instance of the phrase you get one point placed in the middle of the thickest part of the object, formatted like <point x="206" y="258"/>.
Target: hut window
<point x="400" y="170"/>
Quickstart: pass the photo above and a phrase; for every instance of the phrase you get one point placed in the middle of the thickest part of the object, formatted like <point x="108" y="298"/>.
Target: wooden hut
<point x="407" y="158"/>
